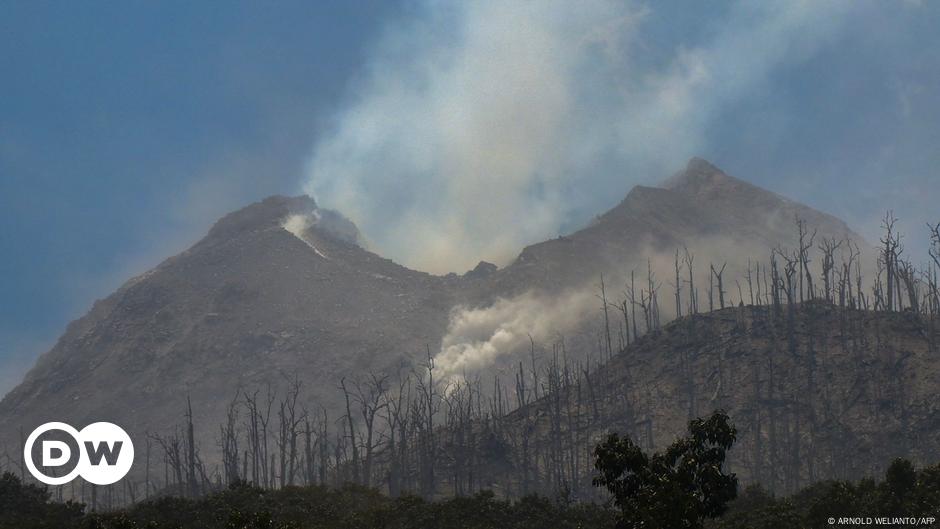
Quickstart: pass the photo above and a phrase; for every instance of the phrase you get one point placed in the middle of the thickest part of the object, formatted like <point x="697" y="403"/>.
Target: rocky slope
<point x="830" y="394"/>
<point x="717" y="216"/>
<point x="251" y="304"/>
<point x="279" y="290"/>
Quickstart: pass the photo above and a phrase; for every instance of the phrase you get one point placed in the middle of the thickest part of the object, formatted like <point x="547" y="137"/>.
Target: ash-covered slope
<point x="720" y="220"/>
<point x="718" y="217"/>
<point x="250" y="304"/>
<point x="818" y="393"/>
<point x="254" y="304"/>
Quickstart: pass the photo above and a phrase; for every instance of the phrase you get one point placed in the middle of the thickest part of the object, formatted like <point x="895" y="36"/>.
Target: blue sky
<point x="127" y="128"/>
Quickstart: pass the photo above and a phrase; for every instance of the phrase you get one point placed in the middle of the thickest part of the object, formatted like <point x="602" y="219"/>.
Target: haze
<point x="449" y="133"/>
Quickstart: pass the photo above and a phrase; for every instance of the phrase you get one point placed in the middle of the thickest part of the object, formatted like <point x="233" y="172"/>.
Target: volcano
<point x="283" y="291"/>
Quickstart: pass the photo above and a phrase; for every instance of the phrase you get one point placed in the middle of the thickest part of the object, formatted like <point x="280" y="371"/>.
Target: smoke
<point x="298" y="223"/>
<point x="478" y="127"/>
<point x="478" y="338"/>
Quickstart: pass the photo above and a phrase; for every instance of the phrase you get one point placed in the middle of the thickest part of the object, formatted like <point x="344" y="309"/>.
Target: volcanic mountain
<point x="719" y="217"/>
<point x="281" y="290"/>
<point x="818" y="392"/>
<point x="249" y="305"/>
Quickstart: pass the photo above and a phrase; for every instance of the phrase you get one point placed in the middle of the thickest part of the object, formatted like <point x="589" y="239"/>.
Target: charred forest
<point x="827" y="364"/>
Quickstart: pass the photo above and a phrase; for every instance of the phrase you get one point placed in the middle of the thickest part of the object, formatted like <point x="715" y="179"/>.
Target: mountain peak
<point x="482" y="270"/>
<point x="702" y="165"/>
<point x="267" y="213"/>
<point x="699" y="177"/>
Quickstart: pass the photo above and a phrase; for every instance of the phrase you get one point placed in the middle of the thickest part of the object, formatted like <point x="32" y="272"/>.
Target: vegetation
<point x="905" y="492"/>
<point x="799" y="313"/>
<point x="677" y="488"/>
<point x="287" y="464"/>
<point x="243" y="506"/>
<point x="28" y="506"/>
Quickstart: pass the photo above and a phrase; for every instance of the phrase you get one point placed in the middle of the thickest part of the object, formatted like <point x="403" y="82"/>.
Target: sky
<point x="449" y="132"/>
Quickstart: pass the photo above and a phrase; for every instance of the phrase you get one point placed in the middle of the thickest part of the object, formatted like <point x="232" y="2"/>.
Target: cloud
<point x="479" y="127"/>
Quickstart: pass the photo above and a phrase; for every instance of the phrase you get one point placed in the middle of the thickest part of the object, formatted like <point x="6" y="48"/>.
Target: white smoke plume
<point x="478" y="127"/>
<point x="297" y="225"/>
<point x="477" y="338"/>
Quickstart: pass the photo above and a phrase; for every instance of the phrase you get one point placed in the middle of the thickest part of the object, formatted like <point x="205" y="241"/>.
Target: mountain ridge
<point x="817" y="392"/>
<point x="253" y="304"/>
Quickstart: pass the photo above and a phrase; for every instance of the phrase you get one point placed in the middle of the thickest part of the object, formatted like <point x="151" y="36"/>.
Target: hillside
<point x="832" y="393"/>
<point x="249" y="305"/>
<point x="281" y="291"/>
<point x="719" y="217"/>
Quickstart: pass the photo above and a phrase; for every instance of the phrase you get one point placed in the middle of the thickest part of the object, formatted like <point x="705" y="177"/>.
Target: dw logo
<point x="101" y="453"/>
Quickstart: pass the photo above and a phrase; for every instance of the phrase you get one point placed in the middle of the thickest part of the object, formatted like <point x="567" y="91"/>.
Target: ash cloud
<point x="479" y="127"/>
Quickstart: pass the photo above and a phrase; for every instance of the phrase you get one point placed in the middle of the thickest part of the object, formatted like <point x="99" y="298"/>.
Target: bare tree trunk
<point x="890" y="249"/>
<point x="803" y="258"/>
<point x="679" y="287"/>
<point x="604" y="304"/>
<point x="721" y="289"/>
<point x="190" y="451"/>
<point x="354" y="446"/>
<point x="693" y="298"/>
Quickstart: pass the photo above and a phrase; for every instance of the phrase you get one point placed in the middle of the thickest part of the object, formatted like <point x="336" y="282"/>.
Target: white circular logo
<point x="103" y="450"/>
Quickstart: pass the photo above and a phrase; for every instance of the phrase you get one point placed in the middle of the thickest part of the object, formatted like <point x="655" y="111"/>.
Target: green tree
<point x="25" y="506"/>
<point x="675" y="489"/>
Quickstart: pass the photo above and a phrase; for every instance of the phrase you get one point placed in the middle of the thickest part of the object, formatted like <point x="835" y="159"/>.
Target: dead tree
<point x="534" y="370"/>
<point x="172" y="459"/>
<point x="828" y="248"/>
<point x="522" y="400"/>
<point x="351" y="425"/>
<point x="789" y="284"/>
<point x="324" y="447"/>
<point x="718" y="273"/>
<point x="862" y="299"/>
<point x="678" y="286"/>
<point x="934" y="243"/>
<point x="259" y="415"/>
<point x="555" y="466"/>
<point x="308" y="463"/>
<point x="750" y="283"/>
<point x="776" y="284"/>
<point x="890" y="248"/>
<point x="653" y="306"/>
<point x="190" y="451"/>
<point x="631" y="295"/>
<point x="805" y="243"/>
<point x="693" y="296"/>
<point x="427" y="406"/>
<point x="934" y="269"/>
<point x="604" y="305"/>
<point x="147" y="482"/>
<point x="228" y="442"/>
<point x="907" y="275"/>
<point x="371" y="401"/>
<point x="397" y="420"/>
<point x="711" y="288"/>
<point x="622" y="307"/>
<point x="289" y="421"/>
